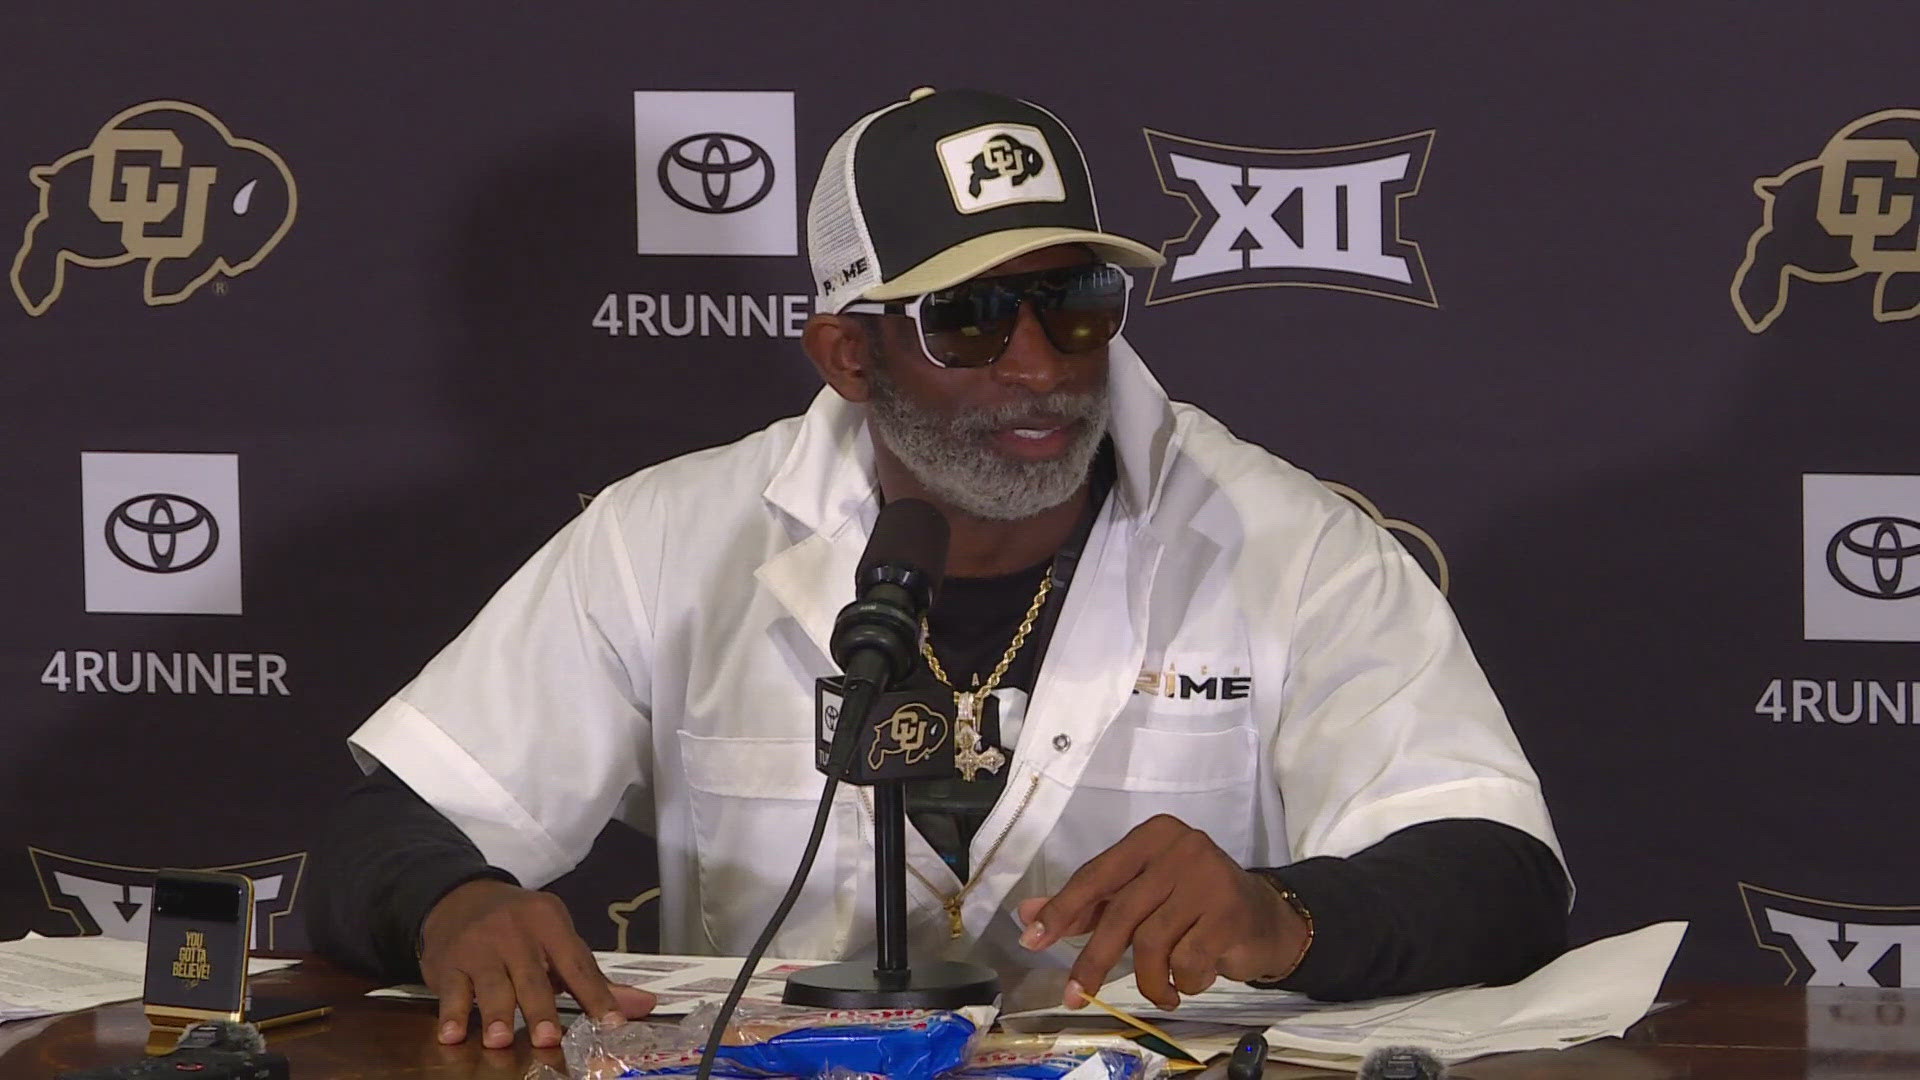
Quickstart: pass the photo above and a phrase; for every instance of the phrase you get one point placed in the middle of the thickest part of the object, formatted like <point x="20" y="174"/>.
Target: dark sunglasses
<point x="969" y="325"/>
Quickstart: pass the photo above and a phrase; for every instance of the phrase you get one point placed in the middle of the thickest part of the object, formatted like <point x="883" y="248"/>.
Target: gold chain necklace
<point x="956" y="926"/>
<point x="967" y="755"/>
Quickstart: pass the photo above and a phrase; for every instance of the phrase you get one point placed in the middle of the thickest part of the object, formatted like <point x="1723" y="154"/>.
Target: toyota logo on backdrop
<point x="161" y="533"/>
<point x="1882" y="546"/>
<point x="716" y="173"/>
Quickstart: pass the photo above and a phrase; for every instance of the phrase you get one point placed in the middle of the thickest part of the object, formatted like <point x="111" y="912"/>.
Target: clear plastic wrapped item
<point x="781" y="1041"/>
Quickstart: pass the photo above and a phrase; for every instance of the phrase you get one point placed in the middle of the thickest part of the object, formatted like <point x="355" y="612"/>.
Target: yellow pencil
<point x="1141" y="1025"/>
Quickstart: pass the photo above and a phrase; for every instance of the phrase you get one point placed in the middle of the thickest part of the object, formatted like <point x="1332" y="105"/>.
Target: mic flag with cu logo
<point x="908" y="736"/>
<point x="164" y="182"/>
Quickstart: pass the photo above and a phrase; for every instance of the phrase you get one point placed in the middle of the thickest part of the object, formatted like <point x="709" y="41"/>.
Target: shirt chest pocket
<point x="1204" y="778"/>
<point x="753" y="802"/>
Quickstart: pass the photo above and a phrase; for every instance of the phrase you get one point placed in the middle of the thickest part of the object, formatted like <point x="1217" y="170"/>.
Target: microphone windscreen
<point x="909" y="533"/>
<point x="224" y="1035"/>
<point x="1402" y="1063"/>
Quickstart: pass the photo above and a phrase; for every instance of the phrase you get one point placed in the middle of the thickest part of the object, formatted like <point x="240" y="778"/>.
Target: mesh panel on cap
<point x="836" y="231"/>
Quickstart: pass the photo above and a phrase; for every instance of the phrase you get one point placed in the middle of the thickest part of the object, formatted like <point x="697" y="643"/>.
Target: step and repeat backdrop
<point x="319" y="320"/>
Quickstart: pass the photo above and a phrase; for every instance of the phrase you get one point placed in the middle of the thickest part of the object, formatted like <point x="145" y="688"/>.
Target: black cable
<point x="759" y="949"/>
<point x="838" y="755"/>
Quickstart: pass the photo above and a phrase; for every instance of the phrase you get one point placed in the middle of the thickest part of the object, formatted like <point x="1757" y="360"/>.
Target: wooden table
<point x="1749" y="1033"/>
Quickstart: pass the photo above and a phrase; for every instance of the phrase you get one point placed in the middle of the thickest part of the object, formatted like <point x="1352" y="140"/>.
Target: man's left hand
<point x="1189" y="912"/>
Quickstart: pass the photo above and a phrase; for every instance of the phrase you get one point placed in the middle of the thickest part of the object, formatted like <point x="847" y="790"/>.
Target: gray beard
<point x="955" y="459"/>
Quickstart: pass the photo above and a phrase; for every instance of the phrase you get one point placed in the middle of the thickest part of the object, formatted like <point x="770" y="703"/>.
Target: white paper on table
<point x="682" y="983"/>
<point x="40" y="976"/>
<point x="1225" y="1003"/>
<point x="1597" y="990"/>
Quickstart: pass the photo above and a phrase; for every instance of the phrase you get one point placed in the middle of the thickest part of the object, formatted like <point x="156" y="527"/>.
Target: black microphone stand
<point x="876" y="648"/>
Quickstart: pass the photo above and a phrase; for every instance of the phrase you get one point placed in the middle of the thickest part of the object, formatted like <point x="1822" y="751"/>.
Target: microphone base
<point x="941" y="984"/>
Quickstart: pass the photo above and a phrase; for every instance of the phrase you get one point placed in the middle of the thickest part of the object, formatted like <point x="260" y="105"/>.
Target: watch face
<point x="197" y="941"/>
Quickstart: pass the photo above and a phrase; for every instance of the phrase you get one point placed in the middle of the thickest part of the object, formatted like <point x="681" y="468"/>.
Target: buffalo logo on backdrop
<point x="1417" y="541"/>
<point x="161" y="533"/>
<point x="623" y="912"/>
<point x="1833" y="944"/>
<point x="1327" y="218"/>
<point x="164" y="183"/>
<point x="1845" y="214"/>
<point x="999" y="165"/>
<point x="116" y="900"/>
<point x="1861" y="556"/>
<point x="714" y="172"/>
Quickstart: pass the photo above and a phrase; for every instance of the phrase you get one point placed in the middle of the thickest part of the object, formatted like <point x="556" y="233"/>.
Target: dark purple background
<point x="1609" y="460"/>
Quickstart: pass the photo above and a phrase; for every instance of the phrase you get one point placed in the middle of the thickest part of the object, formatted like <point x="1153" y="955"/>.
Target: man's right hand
<point x="496" y="945"/>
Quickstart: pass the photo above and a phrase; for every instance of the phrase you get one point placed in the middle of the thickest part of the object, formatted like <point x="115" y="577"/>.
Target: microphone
<point x="876" y="639"/>
<point x="1402" y="1063"/>
<point x="876" y="642"/>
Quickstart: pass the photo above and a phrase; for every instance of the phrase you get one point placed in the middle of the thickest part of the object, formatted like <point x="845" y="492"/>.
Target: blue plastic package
<point x="1113" y="1064"/>
<point x="894" y="1044"/>
<point x="914" y="1046"/>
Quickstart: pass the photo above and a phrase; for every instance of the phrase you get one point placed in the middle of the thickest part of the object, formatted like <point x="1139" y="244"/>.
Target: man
<point x="1174" y="657"/>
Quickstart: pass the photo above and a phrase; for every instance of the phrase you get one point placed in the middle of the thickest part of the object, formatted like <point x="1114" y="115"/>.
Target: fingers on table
<point x="574" y="964"/>
<point x="456" y="1001"/>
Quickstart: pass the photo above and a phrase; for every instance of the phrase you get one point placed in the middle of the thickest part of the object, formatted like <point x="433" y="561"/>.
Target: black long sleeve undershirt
<point x="1443" y="903"/>
<point x="387" y="857"/>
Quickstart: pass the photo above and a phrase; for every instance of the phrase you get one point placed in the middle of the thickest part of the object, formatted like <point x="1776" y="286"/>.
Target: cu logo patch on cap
<point x="1005" y="158"/>
<point x="1000" y="165"/>
<point x="716" y="173"/>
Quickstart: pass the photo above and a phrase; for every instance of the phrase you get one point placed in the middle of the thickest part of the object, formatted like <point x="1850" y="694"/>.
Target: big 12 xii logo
<point x="165" y="183"/>
<point x="1826" y="943"/>
<point x="115" y="900"/>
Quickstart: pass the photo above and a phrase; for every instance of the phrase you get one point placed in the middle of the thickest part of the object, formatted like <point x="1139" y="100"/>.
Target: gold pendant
<point x="967" y="755"/>
<point x="955" y="927"/>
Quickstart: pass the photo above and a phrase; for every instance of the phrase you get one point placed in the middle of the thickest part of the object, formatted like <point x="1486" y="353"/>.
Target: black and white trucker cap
<point x="930" y="191"/>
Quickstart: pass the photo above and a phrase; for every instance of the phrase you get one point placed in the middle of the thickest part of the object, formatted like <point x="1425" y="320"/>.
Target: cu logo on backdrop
<point x="162" y="533"/>
<point x="1880" y="548"/>
<point x="1845" y="214"/>
<point x="716" y="173"/>
<point x="166" y="183"/>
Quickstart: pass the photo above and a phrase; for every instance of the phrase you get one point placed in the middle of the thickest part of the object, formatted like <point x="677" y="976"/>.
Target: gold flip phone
<point x="199" y="932"/>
